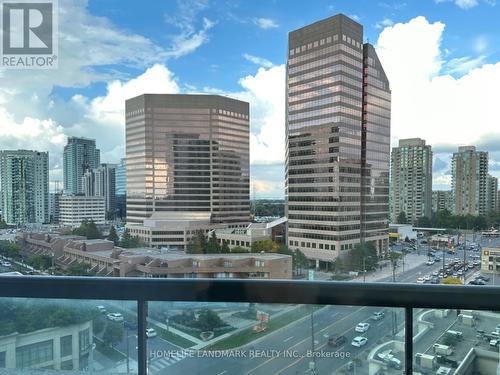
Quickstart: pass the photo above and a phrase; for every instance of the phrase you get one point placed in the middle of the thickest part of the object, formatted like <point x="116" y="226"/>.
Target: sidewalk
<point x="411" y="261"/>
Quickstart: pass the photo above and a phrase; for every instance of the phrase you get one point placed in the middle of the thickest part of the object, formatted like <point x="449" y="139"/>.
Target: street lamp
<point x="127" y="326"/>
<point x="313" y="368"/>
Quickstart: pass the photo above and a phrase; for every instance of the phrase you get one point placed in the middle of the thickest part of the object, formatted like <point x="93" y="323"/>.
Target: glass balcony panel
<point x="248" y="338"/>
<point x="456" y="342"/>
<point x="68" y="335"/>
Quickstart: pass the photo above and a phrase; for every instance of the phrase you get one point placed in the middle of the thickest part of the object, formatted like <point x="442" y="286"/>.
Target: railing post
<point x="142" y="360"/>
<point x="408" y="340"/>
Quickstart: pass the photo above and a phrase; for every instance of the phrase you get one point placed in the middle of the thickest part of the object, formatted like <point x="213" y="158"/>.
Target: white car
<point x="427" y="278"/>
<point x="359" y="341"/>
<point x="150" y="332"/>
<point x="6" y="264"/>
<point x="420" y="280"/>
<point x="362" y="327"/>
<point x="115" y="317"/>
<point x="101" y="309"/>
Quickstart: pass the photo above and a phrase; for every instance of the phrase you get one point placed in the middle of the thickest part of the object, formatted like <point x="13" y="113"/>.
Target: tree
<point x="128" y="241"/>
<point x="213" y="246"/>
<point x="198" y="243"/>
<point x="40" y="262"/>
<point x="208" y="320"/>
<point x="424" y="222"/>
<point x="113" y="334"/>
<point x="79" y="269"/>
<point x="3" y="224"/>
<point x="9" y="249"/>
<point x="112" y="236"/>
<point x="239" y="249"/>
<point x="394" y="258"/>
<point x="363" y="257"/>
<point x="88" y="229"/>
<point x="225" y="248"/>
<point x="265" y="246"/>
<point x="401" y="219"/>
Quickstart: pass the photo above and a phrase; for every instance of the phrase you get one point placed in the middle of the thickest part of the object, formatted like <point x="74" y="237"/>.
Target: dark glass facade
<point x="187" y="153"/>
<point x="337" y="133"/>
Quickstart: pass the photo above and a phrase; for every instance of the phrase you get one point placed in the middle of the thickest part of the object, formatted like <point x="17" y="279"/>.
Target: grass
<point x="247" y="335"/>
<point x="173" y="338"/>
<point x="108" y="352"/>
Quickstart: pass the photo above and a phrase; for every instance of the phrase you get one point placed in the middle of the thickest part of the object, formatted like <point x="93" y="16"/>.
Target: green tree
<point x="79" y="269"/>
<point x="40" y="262"/>
<point x="198" y="243"/>
<point x="208" y="320"/>
<point x="394" y="258"/>
<point x="128" y="241"/>
<point x="9" y="249"/>
<point x="113" y="334"/>
<point x="239" y="249"/>
<point x="224" y="248"/>
<point x="213" y="246"/>
<point x="363" y="257"/>
<point x="113" y="236"/>
<point x="88" y="229"/>
<point x="424" y="222"/>
<point x="3" y="224"/>
<point x="401" y="219"/>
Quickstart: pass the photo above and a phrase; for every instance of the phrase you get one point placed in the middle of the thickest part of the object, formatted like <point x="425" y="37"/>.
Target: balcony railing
<point x="319" y="311"/>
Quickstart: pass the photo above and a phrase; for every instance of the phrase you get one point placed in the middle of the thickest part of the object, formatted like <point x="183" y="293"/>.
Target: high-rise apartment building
<point x="121" y="188"/>
<point x="187" y="153"/>
<point x="24" y="181"/>
<point x="101" y="182"/>
<point x="337" y="138"/>
<point x="469" y="177"/>
<point x="411" y="180"/>
<point x="491" y="194"/>
<point x="442" y="200"/>
<point x="80" y="155"/>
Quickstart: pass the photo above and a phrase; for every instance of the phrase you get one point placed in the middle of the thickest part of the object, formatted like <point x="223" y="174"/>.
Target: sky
<point x="442" y="58"/>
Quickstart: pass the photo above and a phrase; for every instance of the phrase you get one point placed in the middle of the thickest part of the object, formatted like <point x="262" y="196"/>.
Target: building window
<point x="84" y="339"/>
<point x="2" y="359"/>
<point x="66" y="345"/>
<point x="34" y="354"/>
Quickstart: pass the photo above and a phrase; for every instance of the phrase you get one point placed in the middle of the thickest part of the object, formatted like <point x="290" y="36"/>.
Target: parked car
<point x="362" y="327"/>
<point x="336" y="340"/>
<point x="359" y="341"/>
<point x="420" y="280"/>
<point x="477" y="282"/>
<point x="115" y="317"/>
<point x="101" y="309"/>
<point x="150" y="332"/>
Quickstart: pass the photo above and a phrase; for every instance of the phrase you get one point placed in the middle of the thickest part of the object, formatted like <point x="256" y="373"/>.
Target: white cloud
<point x="355" y="17"/>
<point x="265" y="91"/>
<point x="265" y="23"/>
<point x="386" y="22"/>
<point x="462" y="65"/>
<point x="263" y="187"/>
<point x="426" y="100"/>
<point x="481" y="44"/>
<point x="467" y="4"/>
<point x="258" y="60"/>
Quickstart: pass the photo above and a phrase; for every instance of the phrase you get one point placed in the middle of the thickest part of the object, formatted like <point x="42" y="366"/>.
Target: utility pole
<point x="312" y="340"/>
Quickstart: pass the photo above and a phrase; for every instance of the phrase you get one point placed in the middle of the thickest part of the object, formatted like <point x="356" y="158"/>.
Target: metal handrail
<point x="143" y="290"/>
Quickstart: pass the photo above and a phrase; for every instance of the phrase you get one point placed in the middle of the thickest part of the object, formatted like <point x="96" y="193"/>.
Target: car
<point x="430" y="262"/>
<point x="101" y="309"/>
<point x="497" y="327"/>
<point x="435" y="280"/>
<point x="6" y="264"/>
<point x="420" y="280"/>
<point x="460" y="273"/>
<point x="377" y="315"/>
<point x="150" y="332"/>
<point x="359" y="341"/>
<point x="494" y="343"/>
<point x="336" y="340"/>
<point x="390" y="359"/>
<point x="470" y="266"/>
<point x="115" y="317"/>
<point x="427" y="278"/>
<point x="477" y="282"/>
<point x="495" y="334"/>
<point x="454" y="274"/>
<point x="435" y="273"/>
<point x="362" y="327"/>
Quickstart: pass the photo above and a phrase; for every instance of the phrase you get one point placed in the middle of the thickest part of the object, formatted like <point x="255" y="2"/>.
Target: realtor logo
<point x="29" y="34"/>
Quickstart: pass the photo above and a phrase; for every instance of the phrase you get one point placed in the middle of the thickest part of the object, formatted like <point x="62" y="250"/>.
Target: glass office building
<point x="338" y="140"/>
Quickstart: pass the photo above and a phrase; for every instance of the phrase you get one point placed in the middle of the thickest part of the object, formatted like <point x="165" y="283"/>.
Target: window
<point x="66" y="345"/>
<point x="34" y="354"/>
<point x="84" y="339"/>
<point x="2" y="359"/>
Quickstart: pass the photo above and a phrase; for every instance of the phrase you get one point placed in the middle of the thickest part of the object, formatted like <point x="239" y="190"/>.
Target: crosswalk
<point x="158" y="364"/>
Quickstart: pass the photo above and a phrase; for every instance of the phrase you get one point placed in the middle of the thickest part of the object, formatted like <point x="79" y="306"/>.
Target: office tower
<point x="74" y="209"/>
<point x="121" y="188"/>
<point x="24" y="178"/>
<point x="337" y="138"/>
<point x="187" y="156"/>
<point x="80" y="155"/>
<point x="469" y="174"/>
<point x="491" y="194"/>
<point x="411" y="180"/>
<point x="442" y="200"/>
<point x="100" y="182"/>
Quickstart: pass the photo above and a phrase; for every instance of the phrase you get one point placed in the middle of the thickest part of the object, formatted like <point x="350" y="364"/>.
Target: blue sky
<point x="441" y="57"/>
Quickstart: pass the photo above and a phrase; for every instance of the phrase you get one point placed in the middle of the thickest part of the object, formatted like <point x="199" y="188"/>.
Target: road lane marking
<point x="221" y="373"/>
<point x="285" y="340"/>
<point x="308" y="338"/>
